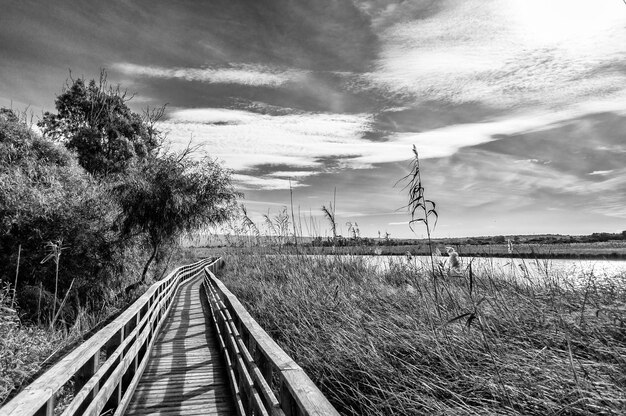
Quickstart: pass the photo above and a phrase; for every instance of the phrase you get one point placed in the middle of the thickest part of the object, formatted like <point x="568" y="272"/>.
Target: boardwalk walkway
<point x="171" y="353"/>
<point x="185" y="374"/>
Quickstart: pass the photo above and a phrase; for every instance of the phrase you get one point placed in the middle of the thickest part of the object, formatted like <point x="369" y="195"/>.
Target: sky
<point x="517" y="107"/>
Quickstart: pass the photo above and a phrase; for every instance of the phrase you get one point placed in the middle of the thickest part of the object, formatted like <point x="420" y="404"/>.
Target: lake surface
<point x="561" y="269"/>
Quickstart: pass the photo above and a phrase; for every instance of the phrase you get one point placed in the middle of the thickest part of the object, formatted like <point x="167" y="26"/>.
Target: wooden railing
<point x="102" y="373"/>
<point x="263" y="378"/>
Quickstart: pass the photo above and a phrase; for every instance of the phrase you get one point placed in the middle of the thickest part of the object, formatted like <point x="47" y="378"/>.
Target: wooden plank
<point x="187" y="410"/>
<point x="121" y="409"/>
<point x="112" y="385"/>
<point x="183" y="372"/>
<point x="165" y="398"/>
<point x="90" y="387"/>
<point x="183" y="377"/>
<point x="207" y="401"/>
<point x="47" y="409"/>
<point x="180" y="388"/>
<point x="295" y="385"/>
<point x="37" y="394"/>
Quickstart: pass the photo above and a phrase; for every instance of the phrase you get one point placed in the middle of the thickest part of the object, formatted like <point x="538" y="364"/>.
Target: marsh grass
<point x="372" y="340"/>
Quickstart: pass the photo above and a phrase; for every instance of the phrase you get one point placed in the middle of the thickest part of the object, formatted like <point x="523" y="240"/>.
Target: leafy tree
<point x="174" y="194"/>
<point x="46" y="196"/>
<point x="94" y="120"/>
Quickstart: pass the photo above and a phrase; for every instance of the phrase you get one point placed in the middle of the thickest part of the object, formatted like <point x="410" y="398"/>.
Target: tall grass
<point x="371" y="337"/>
<point x="23" y="350"/>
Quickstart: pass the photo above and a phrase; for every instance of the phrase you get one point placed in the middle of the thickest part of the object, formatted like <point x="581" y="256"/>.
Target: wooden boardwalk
<point x="172" y="353"/>
<point x="185" y="374"/>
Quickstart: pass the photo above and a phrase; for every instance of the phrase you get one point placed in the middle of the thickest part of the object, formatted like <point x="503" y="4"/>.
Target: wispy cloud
<point x="264" y="183"/>
<point x="601" y="172"/>
<point x="243" y="74"/>
<point x="244" y="139"/>
<point x="292" y="174"/>
<point x="212" y="116"/>
<point x="446" y="141"/>
<point x="506" y="52"/>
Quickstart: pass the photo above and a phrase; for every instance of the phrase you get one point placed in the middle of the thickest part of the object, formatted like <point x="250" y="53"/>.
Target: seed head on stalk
<point x="421" y="210"/>
<point x="55" y="248"/>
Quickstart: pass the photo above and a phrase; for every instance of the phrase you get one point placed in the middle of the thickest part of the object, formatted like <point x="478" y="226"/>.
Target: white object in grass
<point x="453" y="258"/>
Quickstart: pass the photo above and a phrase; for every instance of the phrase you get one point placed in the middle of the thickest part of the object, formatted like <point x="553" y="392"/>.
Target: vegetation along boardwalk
<point x="185" y="347"/>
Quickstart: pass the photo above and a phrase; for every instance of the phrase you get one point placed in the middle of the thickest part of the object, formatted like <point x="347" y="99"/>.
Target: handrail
<point x="104" y="371"/>
<point x="263" y="378"/>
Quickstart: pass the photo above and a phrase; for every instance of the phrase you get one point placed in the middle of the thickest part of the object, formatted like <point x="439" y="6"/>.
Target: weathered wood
<point x="254" y="369"/>
<point x="160" y="360"/>
<point x="184" y="372"/>
<point x="112" y="388"/>
<point x="47" y="409"/>
<point x="38" y="397"/>
<point x="287" y="403"/>
<point x="125" y="400"/>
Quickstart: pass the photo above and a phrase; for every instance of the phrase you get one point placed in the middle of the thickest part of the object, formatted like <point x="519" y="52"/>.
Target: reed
<point x="372" y="340"/>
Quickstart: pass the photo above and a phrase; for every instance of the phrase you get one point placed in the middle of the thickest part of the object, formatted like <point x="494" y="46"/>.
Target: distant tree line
<point x="487" y="240"/>
<point x="95" y="200"/>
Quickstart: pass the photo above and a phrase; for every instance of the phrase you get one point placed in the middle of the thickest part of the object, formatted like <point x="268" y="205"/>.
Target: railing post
<point x="136" y="360"/>
<point x="287" y="403"/>
<point x="115" y="341"/>
<point x="47" y="409"/>
<point x="85" y="373"/>
<point x="264" y="366"/>
<point x="275" y="382"/>
<point x="90" y="366"/>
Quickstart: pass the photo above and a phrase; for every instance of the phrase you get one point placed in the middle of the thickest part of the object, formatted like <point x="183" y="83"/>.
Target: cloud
<point x="243" y="74"/>
<point x="244" y="139"/>
<point x="313" y="142"/>
<point x="292" y="174"/>
<point x="506" y="52"/>
<point x="264" y="183"/>
<point x="446" y="141"/>
<point x="220" y="116"/>
<point x="565" y="166"/>
<point x="601" y="172"/>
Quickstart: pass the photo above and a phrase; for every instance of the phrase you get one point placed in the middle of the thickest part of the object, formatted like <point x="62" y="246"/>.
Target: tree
<point x="94" y="120"/>
<point x="45" y="195"/>
<point x="499" y="239"/>
<point x="174" y="194"/>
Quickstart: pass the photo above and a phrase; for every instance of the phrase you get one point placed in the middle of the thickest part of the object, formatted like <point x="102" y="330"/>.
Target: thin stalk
<point x="56" y="289"/>
<point x="62" y="305"/>
<point x="17" y="273"/>
<point x="293" y="218"/>
<point x="39" y="304"/>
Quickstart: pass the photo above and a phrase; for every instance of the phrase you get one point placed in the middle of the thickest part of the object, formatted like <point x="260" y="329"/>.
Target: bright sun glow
<point x="549" y="22"/>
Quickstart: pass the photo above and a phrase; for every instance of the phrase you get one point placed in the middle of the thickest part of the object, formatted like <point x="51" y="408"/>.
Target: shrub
<point x="46" y="196"/>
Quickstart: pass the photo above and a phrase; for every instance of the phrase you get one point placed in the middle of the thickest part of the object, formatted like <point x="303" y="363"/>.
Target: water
<point x="574" y="271"/>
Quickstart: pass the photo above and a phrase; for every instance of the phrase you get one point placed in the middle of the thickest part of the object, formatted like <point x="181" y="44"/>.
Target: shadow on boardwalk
<point x="185" y="374"/>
